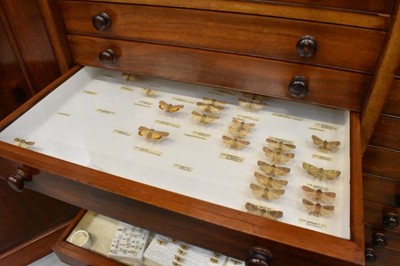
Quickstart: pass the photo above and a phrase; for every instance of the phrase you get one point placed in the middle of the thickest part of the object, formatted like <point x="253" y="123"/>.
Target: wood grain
<point x="380" y="190"/>
<point x="381" y="162"/>
<point x="374" y="211"/>
<point x="392" y="104"/>
<point x="392" y="237"/>
<point x="387" y="133"/>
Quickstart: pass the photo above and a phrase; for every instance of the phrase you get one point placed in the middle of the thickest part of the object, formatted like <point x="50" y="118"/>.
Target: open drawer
<point x="89" y="140"/>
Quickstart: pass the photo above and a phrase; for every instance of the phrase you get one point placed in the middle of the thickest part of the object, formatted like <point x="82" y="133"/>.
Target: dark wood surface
<point x="374" y="212"/>
<point x="392" y="237"/>
<point x="238" y="33"/>
<point x="381" y="162"/>
<point x="268" y="77"/>
<point x="381" y="190"/>
<point x="392" y="104"/>
<point x="387" y="133"/>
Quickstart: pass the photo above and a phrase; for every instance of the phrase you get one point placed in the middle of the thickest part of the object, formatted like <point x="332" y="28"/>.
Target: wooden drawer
<point x="244" y="73"/>
<point x="382" y="162"/>
<point x="387" y="133"/>
<point x="392" y="105"/>
<point x="385" y="257"/>
<point x="381" y="190"/>
<point x="375" y="215"/>
<point x="199" y="222"/>
<point x="391" y="237"/>
<point x="231" y="32"/>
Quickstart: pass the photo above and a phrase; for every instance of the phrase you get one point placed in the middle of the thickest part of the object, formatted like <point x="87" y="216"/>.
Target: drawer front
<point x="382" y="162"/>
<point x="381" y="190"/>
<point x="391" y="237"/>
<point x="381" y="216"/>
<point x="387" y="133"/>
<point x="269" y="77"/>
<point x="336" y="46"/>
<point x="392" y="105"/>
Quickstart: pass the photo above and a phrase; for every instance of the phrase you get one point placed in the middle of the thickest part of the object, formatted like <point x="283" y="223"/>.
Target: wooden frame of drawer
<point x="261" y="36"/>
<point x="381" y="190"/>
<point x="161" y="211"/>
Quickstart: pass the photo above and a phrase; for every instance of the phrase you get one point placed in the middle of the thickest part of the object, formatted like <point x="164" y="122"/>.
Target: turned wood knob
<point x="306" y="46"/>
<point x="108" y="57"/>
<point x="17" y="180"/>
<point x="370" y="255"/>
<point x="101" y="22"/>
<point x="390" y="220"/>
<point x="298" y="87"/>
<point x="397" y="200"/>
<point x="259" y="257"/>
<point x="379" y="240"/>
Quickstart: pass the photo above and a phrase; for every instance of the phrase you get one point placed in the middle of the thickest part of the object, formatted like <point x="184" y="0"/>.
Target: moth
<point x="234" y="143"/>
<point x="266" y="193"/>
<point x="254" y="97"/>
<point x="209" y="107"/>
<point x="204" y="118"/>
<point x="272" y="169"/>
<point x="236" y="123"/>
<point x="169" y="108"/>
<point x="251" y="105"/>
<point x="270" y="182"/>
<point x="263" y="211"/>
<point x="324" y="145"/>
<point x="237" y="133"/>
<point x="23" y="143"/>
<point x="213" y="101"/>
<point x="279" y="145"/>
<point x="129" y="77"/>
<point x="317" y="209"/>
<point x="320" y="173"/>
<point x="149" y="92"/>
<point x="277" y="156"/>
<point x="152" y="134"/>
<point x="318" y="195"/>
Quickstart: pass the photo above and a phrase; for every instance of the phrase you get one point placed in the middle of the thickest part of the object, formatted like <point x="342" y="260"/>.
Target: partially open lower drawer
<point x="91" y="143"/>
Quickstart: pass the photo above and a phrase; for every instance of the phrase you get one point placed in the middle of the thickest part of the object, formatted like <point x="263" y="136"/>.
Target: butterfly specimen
<point x="266" y="193"/>
<point x="152" y="134"/>
<point x="317" y="209"/>
<point x="270" y="182"/>
<point x="279" y="145"/>
<point x="277" y="156"/>
<point x="23" y="143"/>
<point x="149" y="92"/>
<point x="169" y="108"/>
<point x="318" y="195"/>
<point x="213" y="101"/>
<point x="204" y="118"/>
<point x="324" y="145"/>
<point x="251" y="105"/>
<point x="209" y="107"/>
<point x="272" y="169"/>
<point x="233" y="143"/>
<point x="263" y="211"/>
<point x="320" y="173"/>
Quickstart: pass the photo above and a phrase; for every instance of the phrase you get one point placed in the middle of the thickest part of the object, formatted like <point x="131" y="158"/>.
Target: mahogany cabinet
<point x="324" y="53"/>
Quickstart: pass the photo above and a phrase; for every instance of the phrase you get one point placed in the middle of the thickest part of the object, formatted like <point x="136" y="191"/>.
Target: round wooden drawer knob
<point x="17" y="180"/>
<point x="108" y="57"/>
<point x="306" y="46"/>
<point x="370" y="255"/>
<point x="101" y="22"/>
<point x="379" y="240"/>
<point x="259" y="257"/>
<point x="298" y="87"/>
<point x="390" y="220"/>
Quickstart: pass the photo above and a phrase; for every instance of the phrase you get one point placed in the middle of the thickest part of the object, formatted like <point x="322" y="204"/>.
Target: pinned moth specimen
<point x="278" y="156"/>
<point x="149" y="92"/>
<point x="318" y="195"/>
<point x="151" y="134"/>
<point x="169" y="108"/>
<point x="129" y="77"/>
<point x="266" y="193"/>
<point x="317" y="209"/>
<point x="233" y="143"/>
<point x="209" y="107"/>
<point x="324" y="145"/>
<point x="263" y="211"/>
<point x="251" y="105"/>
<point x="280" y="145"/>
<point x="236" y="123"/>
<point x="272" y="169"/>
<point x="270" y="182"/>
<point x="204" y="118"/>
<point x="321" y="173"/>
<point x="254" y="97"/>
<point x="23" y="143"/>
<point x="213" y="101"/>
